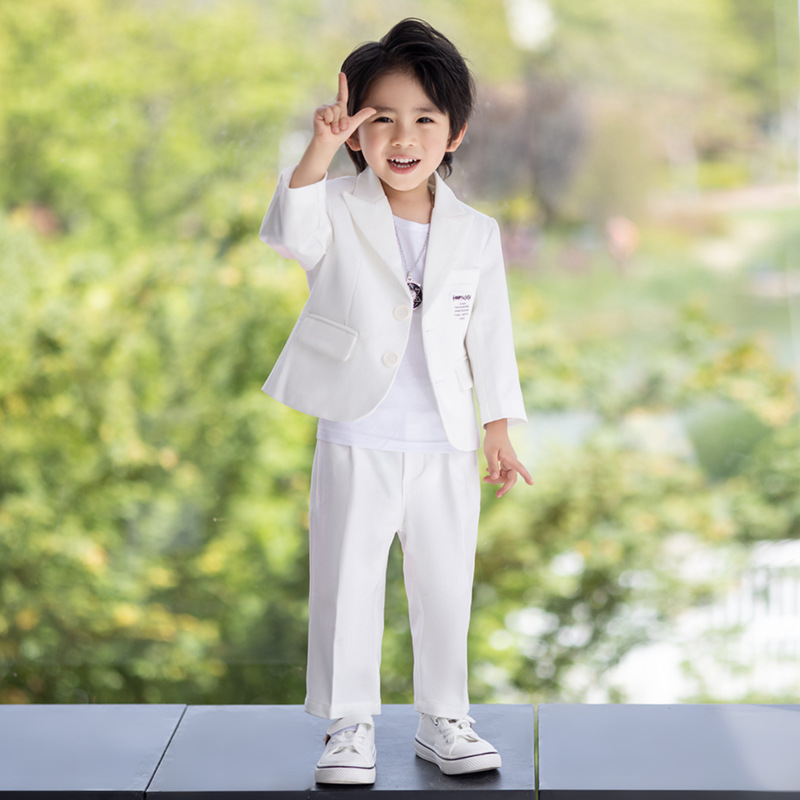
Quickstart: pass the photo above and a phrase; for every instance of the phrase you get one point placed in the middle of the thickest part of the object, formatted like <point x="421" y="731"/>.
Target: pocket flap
<point x="327" y="337"/>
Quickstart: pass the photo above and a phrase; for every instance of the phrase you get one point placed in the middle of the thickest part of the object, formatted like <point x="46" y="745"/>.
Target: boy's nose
<point x="403" y="134"/>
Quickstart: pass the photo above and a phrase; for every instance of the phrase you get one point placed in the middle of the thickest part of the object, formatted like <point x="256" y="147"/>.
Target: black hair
<point x="415" y="47"/>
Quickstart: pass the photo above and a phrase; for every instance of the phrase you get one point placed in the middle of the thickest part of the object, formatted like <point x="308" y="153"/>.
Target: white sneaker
<point x="454" y="746"/>
<point x="349" y="755"/>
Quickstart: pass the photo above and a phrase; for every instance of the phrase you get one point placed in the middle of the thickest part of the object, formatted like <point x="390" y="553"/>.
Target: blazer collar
<point x="372" y="214"/>
<point x="369" y="188"/>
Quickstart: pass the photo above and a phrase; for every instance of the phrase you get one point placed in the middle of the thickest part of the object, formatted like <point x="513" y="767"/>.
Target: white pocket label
<point x="462" y="303"/>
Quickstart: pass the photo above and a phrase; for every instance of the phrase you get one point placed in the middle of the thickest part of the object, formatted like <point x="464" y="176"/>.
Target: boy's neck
<point x="415" y="205"/>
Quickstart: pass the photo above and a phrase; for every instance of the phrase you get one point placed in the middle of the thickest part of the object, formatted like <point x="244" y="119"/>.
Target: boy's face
<point x="405" y="141"/>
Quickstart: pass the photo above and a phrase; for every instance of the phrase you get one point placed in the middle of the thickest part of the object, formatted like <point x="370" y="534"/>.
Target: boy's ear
<point x="353" y="142"/>
<point x="456" y="140"/>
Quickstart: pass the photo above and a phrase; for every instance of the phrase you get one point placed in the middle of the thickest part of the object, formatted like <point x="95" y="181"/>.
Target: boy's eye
<point x="382" y="119"/>
<point x="424" y="119"/>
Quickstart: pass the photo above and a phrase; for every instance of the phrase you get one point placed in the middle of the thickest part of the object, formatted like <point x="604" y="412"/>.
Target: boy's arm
<point x="490" y="341"/>
<point x="502" y="463"/>
<point x="296" y="224"/>
<point x="332" y="128"/>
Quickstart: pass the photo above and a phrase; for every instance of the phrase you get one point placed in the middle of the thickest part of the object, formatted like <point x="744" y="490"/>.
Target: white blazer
<point x="342" y="355"/>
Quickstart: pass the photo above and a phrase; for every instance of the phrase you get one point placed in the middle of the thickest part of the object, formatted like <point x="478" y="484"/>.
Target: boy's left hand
<point x="503" y="465"/>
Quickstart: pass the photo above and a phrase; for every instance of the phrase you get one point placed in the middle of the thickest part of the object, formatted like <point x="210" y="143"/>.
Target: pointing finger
<point x="516" y="464"/>
<point x="362" y="116"/>
<point x="526" y="476"/>
<point x="343" y="93"/>
<point x="511" y="479"/>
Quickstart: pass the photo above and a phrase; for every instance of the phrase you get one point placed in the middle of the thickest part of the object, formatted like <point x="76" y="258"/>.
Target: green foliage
<point x="152" y="503"/>
<point x="577" y="572"/>
<point x="132" y="122"/>
<point x="763" y="498"/>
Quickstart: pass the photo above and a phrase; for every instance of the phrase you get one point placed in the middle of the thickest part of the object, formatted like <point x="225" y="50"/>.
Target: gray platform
<point x="237" y="751"/>
<point x="71" y="751"/>
<point x="586" y="752"/>
<point x="658" y="752"/>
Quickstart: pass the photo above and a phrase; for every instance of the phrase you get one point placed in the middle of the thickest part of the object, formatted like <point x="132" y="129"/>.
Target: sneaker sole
<point x="352" y="775"/>
<point x="459" y="766"/>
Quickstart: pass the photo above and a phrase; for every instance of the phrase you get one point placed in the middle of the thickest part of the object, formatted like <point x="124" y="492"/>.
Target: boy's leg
<point x="439" y="535"/>
<point x="354" y="514"/>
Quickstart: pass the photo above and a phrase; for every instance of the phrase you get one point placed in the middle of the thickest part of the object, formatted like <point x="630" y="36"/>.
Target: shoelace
<point x="347" y="740"/>
<point x="454" y="729"/>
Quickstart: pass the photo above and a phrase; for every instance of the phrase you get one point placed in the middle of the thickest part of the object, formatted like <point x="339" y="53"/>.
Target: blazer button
<point x="390" y="359"/>
<point x="402" y="313"/>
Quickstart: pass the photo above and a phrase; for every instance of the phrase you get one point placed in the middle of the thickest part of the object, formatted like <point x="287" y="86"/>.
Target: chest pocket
<point x="460" y="289"/>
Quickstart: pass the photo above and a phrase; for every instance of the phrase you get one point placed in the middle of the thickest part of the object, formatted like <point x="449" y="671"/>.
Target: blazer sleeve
<point x="296" y="224"/>
<point x="490" y="341"/>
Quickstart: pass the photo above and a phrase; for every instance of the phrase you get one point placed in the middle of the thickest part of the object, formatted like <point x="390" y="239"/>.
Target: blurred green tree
<point x="135" y="122"/>
<point x="151" y="504"/>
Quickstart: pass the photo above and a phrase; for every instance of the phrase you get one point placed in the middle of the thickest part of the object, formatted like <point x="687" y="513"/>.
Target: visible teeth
<point x="404" y="160"/>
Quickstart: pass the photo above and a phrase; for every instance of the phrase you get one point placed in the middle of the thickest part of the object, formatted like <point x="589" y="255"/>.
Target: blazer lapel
<point x="445" y="244"/>
<point x="372" y="216"/>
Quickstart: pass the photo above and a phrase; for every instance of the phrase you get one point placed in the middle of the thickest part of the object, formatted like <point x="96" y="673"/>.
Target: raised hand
<point x="332" y="121"/>
<point x="332" y="127"/>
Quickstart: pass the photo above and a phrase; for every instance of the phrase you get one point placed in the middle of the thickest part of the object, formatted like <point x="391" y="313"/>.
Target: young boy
<point x="407" y="314"/>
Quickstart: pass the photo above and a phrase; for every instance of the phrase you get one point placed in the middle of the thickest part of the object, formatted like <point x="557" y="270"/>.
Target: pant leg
<point x="439" y="536"/>
<point x="355" y="511"/>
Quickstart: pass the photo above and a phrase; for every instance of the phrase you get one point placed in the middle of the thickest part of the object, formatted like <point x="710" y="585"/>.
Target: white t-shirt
<point x="407" y="419"/>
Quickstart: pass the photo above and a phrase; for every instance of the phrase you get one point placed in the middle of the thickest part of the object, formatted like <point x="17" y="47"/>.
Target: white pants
<point x="359" y="499"/>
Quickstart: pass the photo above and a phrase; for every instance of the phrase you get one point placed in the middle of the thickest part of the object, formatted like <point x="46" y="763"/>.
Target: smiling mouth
<point x="403" y="163"/>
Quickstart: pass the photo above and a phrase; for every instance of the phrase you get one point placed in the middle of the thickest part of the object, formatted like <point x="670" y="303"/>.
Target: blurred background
<point x="642" y="160"/>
